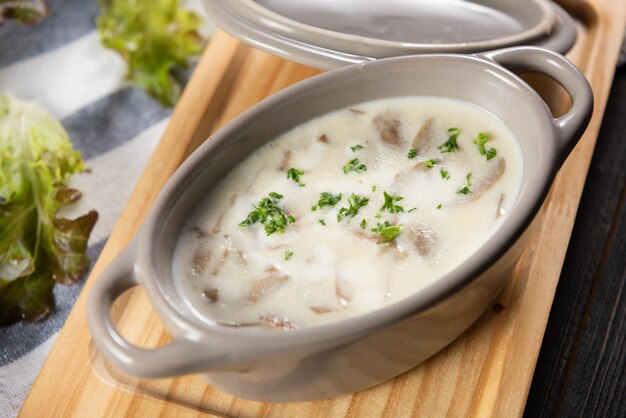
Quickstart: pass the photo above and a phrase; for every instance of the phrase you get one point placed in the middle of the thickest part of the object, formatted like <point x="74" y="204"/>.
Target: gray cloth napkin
<point x="61" y="64"/>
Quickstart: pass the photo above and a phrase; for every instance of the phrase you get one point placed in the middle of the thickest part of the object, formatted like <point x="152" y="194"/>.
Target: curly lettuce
<point x="155" y="37"/>
<point x="37" y="247"/>
<point x="23" y="11"/>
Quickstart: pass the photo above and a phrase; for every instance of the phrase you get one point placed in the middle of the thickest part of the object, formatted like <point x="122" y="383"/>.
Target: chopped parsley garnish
<point x="387" y="231"/>
<point x="466" y="190"/>
<point x="363" y="223"/>
<point x="444" y="174"/>
<point x="481" y="140"/>
<point x="439" y="206"/>
<point x="412" y="153"/>
<point x="355" y="202"/>
<point x="450" y="145"/>
<point x="431" y="163"/>
<point x="354" y="165"/>
<point x="288" y="255"/>
<point x="269" y="214"/>
<point x="374" y="188"/>
<point x="356" y="148"/>
<point x="322" y="222"/>
<point x="390" y="203"/>
<point x="295" y="174"/>
<point x="411" y="210"/>
<point x="326" y="199"/>
<point x="378" y="215"/>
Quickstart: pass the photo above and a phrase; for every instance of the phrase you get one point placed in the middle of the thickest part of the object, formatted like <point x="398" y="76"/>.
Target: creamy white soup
<point x="347" y="213"/>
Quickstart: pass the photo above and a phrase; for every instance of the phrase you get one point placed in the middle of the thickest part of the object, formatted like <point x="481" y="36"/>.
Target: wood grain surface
<point x="582" y="365"/>
<point x="486" y="372"/>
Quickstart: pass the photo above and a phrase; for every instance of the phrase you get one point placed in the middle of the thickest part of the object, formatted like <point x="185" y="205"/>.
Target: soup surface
<point x="347" y="213"/>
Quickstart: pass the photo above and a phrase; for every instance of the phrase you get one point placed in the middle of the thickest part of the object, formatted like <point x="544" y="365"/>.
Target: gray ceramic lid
<point x="332" y="33"/>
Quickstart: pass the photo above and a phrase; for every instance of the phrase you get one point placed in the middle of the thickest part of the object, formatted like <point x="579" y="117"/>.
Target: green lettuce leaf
<point x="155" y="37"/>
<point x="37" y="248"/>
<point x="24" y="11"/>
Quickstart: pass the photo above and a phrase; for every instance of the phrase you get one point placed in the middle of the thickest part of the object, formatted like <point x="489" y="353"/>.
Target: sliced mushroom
<point x="264" y="286"/>
<point x="200" y="261"/>
<point x="362" y="235"/>
<point x="212" y="295"/>
<point x="420" y="167"/>
<point x="423" y="239"/>
<point x="423" y="136"/>
<point x="220" y="263"/>
<point x="278" y="321"/>
<point x="342" y="298"/>
<point x="388" y="127"/>
<point x="284" y="165"/>
<point x="484" y="186"/>
<point x="321" y="310"/>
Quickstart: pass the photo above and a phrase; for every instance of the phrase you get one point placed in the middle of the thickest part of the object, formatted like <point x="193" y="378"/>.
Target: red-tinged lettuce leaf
<point x="37" y="248"/>
<point x="27" y="298"/>
<point x="155" y="37"/>
<point x="23" y="11"/>
<point x="68" y="247"/>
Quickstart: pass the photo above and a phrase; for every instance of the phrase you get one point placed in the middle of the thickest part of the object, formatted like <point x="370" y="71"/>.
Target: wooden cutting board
<point x="486" y="372"/>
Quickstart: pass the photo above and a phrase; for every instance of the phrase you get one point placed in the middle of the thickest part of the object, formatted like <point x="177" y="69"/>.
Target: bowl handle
<point x="181" y="356"/>
<point x="570" y="126"/>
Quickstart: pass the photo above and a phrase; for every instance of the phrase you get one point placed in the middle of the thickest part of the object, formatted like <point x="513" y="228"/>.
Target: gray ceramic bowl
<point x="332" y="33"/>
<point x="356" y="353"/>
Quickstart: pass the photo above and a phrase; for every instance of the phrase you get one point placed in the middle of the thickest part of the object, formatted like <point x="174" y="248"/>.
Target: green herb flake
<point x="450" y="145"/>
<point x="411" y="210"/>
<point x="374" y="188"/>
<point x="390" y="203"/>
<point x="412" y="153"/>
<point x="430" y="163"/>
<point x="444" y="174"/>
<point x="355" y="202"/>
<point x="387" y="231"/>
<point x="156" y="38"/>
<point x="294" y="174"/>
<point x="322" y="222"/>
<point x="270" y="214"/>
<point x="363" y="224"/>
<point x="378" y="216"/>
<point x="288" y="255"/>
<point x="354" y="165"/>
<point x="466" y="190"/>
<point x="356" y="148"/>
<point x="481" y="140"/>
<point x="439" y="206"/>
<point x="327" y="199"/>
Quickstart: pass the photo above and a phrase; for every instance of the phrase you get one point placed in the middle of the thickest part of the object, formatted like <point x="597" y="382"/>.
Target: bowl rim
<point x="560" y="38"/>
<point x="261" y="15"/>
<point x="496" y="246"/>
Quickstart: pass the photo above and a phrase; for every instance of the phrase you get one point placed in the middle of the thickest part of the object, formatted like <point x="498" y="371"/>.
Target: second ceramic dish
<point x="329" y="34"/>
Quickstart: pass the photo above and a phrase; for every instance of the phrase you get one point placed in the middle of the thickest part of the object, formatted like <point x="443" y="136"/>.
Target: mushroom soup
<point x="347" y="213"/>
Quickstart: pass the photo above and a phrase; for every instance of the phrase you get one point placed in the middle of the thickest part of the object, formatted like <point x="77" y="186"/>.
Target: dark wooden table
<point x="581" y="370"/>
